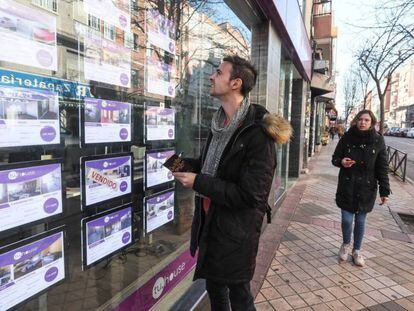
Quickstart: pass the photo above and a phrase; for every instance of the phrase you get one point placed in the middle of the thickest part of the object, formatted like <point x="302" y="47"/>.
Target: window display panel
<point x="160" y="123"/>
<point x="160" y="76"/>
<point x="28" y="36"/>
<point x="105" y="121"/>
<point x="155" y="172"/>
<point x="29" y="192"/>
<point x="28" y="117"/>
<point x="160" y="31"/>
<point x="106" y="61"/>
<point x="30" y="267"/>
<point x="106" y="177"/>
<point x="159" y="210"/>
<point x="106" y="233"/>
<point x="119" y="9"/>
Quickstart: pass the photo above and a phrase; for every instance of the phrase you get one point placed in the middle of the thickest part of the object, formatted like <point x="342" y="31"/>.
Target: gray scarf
<point x="221" y="136"/>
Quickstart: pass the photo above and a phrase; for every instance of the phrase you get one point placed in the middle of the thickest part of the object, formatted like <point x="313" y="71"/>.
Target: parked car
<point x="394" y="131"/>
<point x="410" y="132"/>
<point x="403" y="132"/>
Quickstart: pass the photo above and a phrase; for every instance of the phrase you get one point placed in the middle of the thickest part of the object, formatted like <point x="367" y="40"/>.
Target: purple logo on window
<point x="170" y="90"/>
<point x="51" y="274"/>
<point x="123" y="133"/>
<point x="126" y="237"/>
<point x="48" y="133"/>
<point x="51" y="205"/>
<point x="170" y="133"/>
<point x="171" y="47"/>
<point x="170" y="175"/>
<point x="124" y="79"/>
<point x="122" y="20"/>
<point x="44" y="58"/>
<point x="123" y="186"/>
<point x="170" y="215"/>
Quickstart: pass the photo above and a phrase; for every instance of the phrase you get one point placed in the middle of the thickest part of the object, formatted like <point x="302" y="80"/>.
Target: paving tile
<point x="310" y="298"/>
<point x="275" y="280"/>
<point x="351" y="289"/>
<point x="321" y="307"/>
<point x="299" y="287"/>
<point x="377" y="296"/>
<point x="392" y="295"/>
<point x="266" y="284"/>
<point x="386" y="281"/>
<point x="402" y="290"/>
<point x="351" y="303"/>
<point x="295" y="301"/>
<point x="312" y="284"/>
<point x="337" y="305"/>
<point x="363" y="286"/>
<point x="325" y="282"/>
<point x="259" y="298"/>
<point x="392" y="306"/>
<point x="405" y="303"/>
<point x="365" y="300"/>
<point x="285" y="290"/>
<point x="338" y="292"/>
<point x="280" y="304"/>
<point x="374" y="283"/>
<point x="324" y="295"/>
<point x="264" y="306"/>
<point x="270" y="293"/>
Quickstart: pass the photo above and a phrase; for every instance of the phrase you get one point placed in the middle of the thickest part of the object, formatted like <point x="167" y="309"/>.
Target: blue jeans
<point x="237" y="295"/>
<point x="359" y="228"/>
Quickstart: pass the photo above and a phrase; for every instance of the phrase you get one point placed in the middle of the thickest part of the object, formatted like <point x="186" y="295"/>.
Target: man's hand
<point x="187" y="179"/>
<point x="383" y="200"/>
<point x="347" y="162"/>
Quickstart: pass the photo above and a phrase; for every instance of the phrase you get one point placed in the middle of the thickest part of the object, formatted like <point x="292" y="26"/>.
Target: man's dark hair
<point x="244" y="70"/>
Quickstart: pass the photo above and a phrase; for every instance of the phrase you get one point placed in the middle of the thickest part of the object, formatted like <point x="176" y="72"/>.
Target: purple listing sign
<point x="48" y="133"/>
<point x="126" y="237"/>
<point x="157" y="287"/>
<point x="170" y="133"/>
<point x="170" y="215"/>
<point x="123" y="133"/>
<point x="123" y="186"/>
<point x="51" y="274"/>
<point x="124" y="79"/>
<point x="51" y="205"/>
<point x="123" y="21"/>
<point x="44" y="58"/>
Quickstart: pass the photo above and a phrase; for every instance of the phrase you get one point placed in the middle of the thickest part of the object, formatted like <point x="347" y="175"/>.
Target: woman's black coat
<point x="227" y="237"/>
<point x="358" y="185"/>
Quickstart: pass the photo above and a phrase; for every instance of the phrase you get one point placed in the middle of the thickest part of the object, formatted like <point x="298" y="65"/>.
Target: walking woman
<point x="362" y="157"/>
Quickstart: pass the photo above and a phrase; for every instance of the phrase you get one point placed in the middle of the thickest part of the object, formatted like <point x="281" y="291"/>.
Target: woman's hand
<point x="187" y="179"/>
<point x="347" y="162"/>
<point x="383" y="200"/>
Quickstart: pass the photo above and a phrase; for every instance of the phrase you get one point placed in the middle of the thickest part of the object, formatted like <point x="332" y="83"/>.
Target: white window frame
<point x="109" y="32"/>
<point x="49" y="5"/>
<point x="94" y="22"/>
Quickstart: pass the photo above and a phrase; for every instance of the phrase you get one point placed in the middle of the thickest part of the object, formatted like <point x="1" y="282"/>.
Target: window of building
<point x="94" y="22"/>
<point x="131" y="40"/>
<point x="109" y="32"/>
<point x="50" y="5"/>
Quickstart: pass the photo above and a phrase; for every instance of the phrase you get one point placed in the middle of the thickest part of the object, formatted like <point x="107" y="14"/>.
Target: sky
<point x="346" y="14"/>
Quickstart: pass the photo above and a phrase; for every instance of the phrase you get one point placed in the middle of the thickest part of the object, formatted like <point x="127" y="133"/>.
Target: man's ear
<point x="237" y="84"/>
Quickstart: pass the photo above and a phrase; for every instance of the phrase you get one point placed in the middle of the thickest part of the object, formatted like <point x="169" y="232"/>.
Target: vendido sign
<point x="64" y="88"/>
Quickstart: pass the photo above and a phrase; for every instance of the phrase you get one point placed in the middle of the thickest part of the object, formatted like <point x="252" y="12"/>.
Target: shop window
<point x="50" y="5"/>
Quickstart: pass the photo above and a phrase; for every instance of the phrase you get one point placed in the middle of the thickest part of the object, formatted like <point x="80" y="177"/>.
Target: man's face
<point x="221" y="84"/>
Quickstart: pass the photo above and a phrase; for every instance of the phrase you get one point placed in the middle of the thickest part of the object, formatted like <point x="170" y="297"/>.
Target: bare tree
<point x="363" y="83"/>
<point x="385" y="51"/>
<point x="350" y="92"/>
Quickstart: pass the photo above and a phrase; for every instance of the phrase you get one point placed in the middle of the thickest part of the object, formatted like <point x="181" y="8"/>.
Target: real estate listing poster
<point x="106" y="121"/>
<point x="160" y="123"/>
<point x="28" y="117"/>
<point x="28" y="36"/>
<point x="30" y="269"/>
<point x="105" y="61"/>
<point x="159" y="210"/>
<point x="119" y="15"/>
<point x="160" y="77"/>
<point x="107" y="178"/>
<point x="160" y="31"/>
<point x="156" y="172"/>
<point x="107" y="234"/>
<point x="29" y="194"/>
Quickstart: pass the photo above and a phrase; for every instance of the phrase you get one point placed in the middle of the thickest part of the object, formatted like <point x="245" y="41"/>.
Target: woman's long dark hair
<point x="365" y="111"/>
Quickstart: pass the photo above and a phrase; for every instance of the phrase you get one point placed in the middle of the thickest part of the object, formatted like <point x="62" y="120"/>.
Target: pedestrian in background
<point x="362" y="157"/>
<point x="232" y="179"/>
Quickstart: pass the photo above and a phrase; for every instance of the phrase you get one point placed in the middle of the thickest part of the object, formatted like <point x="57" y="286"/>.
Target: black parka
<point x="358" y="185"/>
<point x="228" y="236"/>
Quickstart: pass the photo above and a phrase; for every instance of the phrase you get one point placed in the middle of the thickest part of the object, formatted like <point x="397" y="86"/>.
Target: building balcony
<point x="321" y="66"/>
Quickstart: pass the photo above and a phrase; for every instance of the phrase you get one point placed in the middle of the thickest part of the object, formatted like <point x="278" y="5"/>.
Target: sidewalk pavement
<point x="304" y="273"/>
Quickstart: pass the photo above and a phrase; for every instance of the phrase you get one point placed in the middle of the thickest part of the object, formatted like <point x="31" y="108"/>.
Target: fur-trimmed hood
<point x="278" y="128"/>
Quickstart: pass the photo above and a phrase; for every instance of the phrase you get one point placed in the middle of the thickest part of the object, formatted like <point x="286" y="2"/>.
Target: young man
<point x="232" y="179"/>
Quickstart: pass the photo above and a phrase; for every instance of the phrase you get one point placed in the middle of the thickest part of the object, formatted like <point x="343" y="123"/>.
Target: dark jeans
<point x="359" y="228"/>
<point x="240" y="296"/>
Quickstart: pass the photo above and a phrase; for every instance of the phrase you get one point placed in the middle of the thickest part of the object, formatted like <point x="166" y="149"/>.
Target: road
<point x="405" y="145"/>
